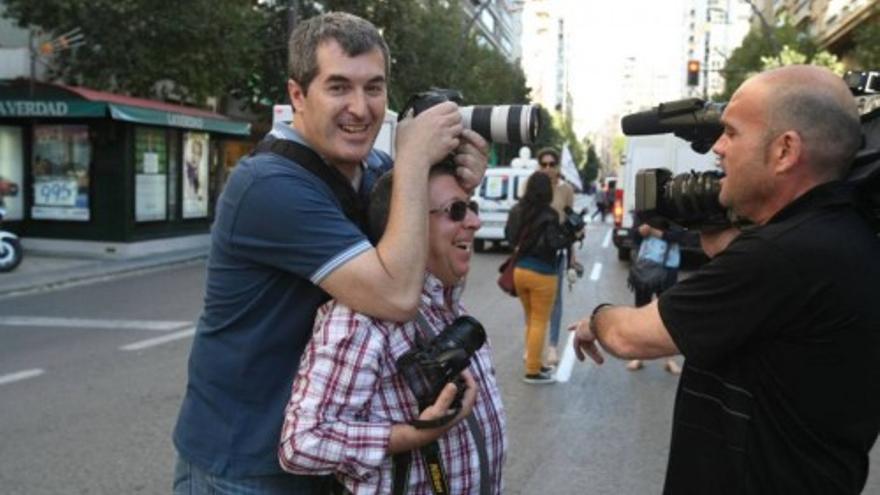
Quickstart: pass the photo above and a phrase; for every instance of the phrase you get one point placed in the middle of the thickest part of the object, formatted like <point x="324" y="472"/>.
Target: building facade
<point x="544" y="53"/>
<point x="830" y="22"/>
<point x="497" y="23"/>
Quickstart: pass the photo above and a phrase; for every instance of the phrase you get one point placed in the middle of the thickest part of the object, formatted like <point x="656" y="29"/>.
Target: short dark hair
<point x="830" y="131"/>
<point x="380" y="197"/>
<point x="355" y="35"/>
<point x="548" y="151"/>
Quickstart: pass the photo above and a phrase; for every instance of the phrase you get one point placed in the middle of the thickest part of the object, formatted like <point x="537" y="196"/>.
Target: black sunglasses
<point x="548" y="164"/>
<point x="457" y="210"/>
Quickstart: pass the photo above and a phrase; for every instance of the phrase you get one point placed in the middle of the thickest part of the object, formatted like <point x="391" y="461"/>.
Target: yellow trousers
<point x="536" y="292"/>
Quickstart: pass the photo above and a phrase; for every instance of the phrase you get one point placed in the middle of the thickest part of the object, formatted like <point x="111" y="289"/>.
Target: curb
<point x="85" y="271"/>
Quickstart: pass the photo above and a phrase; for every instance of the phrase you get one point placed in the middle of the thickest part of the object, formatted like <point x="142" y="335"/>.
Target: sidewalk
<point x="41" y="272"/>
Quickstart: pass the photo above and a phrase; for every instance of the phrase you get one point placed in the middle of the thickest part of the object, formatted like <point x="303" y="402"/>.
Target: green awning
<point x="44" y="100"/>
<point x="52" y="108"/>
<point x="170" y="119"/>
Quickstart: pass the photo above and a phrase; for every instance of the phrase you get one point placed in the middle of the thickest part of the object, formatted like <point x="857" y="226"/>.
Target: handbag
<point x="646" y="274"/>
<point x="505" y="280"/>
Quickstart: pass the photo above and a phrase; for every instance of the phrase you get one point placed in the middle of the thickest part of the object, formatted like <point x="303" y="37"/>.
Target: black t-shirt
<point x="781" y="335"/>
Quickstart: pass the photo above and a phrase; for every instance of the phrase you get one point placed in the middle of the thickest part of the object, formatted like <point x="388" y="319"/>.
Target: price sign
<point x="59" y="192"/>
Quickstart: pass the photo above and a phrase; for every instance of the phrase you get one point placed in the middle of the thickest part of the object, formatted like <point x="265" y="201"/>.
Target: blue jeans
<point x="190" y="480"/>
<point x="556" y="314"/>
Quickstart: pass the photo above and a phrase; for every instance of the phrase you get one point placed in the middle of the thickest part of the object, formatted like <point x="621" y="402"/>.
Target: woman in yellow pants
<point x="533" y="226"/>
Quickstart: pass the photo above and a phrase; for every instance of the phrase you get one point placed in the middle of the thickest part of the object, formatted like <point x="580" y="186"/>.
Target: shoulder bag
<point x="505" y="280"/>
<point x="646" y="274"/>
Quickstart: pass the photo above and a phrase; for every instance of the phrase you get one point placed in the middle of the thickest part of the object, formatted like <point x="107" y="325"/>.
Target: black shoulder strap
<point x="352" y="205"/>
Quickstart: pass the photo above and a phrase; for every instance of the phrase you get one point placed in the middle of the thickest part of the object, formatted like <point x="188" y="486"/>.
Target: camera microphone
<point x="643" y="123"/>
<point x="691" y="119"/>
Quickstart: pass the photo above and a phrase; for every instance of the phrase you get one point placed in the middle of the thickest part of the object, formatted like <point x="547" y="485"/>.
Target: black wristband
<point x="599" y="308"/>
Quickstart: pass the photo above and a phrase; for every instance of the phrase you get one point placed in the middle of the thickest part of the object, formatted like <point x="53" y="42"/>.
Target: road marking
<point x="563" y="373"/>
<point x="597" y="271"/>
<point x="44" y="321"/>
<point x="607" y="241"/>
<point x="20" y="375"/>
<point x="171" y="337"/>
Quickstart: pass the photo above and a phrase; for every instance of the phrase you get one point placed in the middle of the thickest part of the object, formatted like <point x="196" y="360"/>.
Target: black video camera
<point x="428" y="367"/>
<point x="694" y="120"/>
<point x="505" y="124"/>
<point x="691" y="199"/>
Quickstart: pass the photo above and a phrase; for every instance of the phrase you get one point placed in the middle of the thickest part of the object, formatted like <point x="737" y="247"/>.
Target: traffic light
<point x="693" y="73"/>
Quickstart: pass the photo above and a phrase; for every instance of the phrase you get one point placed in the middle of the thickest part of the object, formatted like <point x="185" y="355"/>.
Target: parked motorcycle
<point x="11" y="251"/>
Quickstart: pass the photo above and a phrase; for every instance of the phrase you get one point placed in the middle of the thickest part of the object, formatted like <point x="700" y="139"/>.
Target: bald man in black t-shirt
<point x="781" y="330"/>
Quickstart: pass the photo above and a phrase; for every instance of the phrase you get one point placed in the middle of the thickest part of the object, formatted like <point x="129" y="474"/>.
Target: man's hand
<point x="442" y="405"/>
<point x="715" y="242"/>
<point x="406" y="437"/>
<point x="472" y="158"/>
<point x="585" y="340"/>
<point x="431" y="136"/>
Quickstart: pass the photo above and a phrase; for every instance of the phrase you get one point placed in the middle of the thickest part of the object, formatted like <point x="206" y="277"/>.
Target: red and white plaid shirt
<point x="347" y="395"/>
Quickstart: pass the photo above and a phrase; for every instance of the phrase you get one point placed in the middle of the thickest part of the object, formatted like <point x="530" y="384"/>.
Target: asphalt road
<point x="91" y="378"/>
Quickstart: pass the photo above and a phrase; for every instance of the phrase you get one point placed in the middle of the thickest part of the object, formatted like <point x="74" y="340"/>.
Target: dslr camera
<point x="573" y="224"/>
<point x="503" y="124"/>
<point x="429" y="366"/>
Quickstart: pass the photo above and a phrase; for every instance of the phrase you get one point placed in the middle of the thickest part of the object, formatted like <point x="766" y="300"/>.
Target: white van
<point x="500" y="190"/>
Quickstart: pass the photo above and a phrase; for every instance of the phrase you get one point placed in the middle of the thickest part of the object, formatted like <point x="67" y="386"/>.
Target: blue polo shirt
<point x="278" y="232"/>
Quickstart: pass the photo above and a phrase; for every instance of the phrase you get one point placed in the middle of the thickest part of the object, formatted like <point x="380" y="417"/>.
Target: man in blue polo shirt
<point x="283" y="243"/>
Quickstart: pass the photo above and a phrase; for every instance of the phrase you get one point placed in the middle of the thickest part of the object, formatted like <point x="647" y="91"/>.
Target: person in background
<point x="355" y="428"/>
<point x="601" y="203"/>
<point x="563" y="197"/>
<point x="533" y="226"/>
<point x="780" y="391"/>
<point x="664" y="249"/>
<point x="283" y="242"/>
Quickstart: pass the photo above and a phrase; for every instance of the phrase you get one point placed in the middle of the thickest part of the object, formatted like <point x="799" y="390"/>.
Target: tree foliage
<point x="590" y="171"/>
<point x="867" y="44"/>
<point x="190" y="49"/>
<point x="747" y="60"/>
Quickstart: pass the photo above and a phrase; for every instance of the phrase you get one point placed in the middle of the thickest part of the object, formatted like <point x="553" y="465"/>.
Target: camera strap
<point x="352" y="205"/>
<point x="431" y="452"/>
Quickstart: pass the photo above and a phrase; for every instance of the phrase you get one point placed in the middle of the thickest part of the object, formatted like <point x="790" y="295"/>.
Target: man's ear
<point x="297" y="95"/>
<point x="787" y="151"/>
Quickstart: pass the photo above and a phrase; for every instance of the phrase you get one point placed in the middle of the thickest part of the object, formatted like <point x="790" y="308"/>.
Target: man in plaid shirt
<point x="350" y="410"/>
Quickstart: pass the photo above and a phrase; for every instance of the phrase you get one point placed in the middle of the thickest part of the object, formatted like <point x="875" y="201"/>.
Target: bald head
<point x="817" y="104"/>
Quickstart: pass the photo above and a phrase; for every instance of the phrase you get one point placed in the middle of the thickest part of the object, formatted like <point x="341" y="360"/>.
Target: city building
<point x="103" y="174"/>
<point x="497" y="24"/>
<point x="714" y="29"/>
<point x="830" y="22"/>
<point x="544" y="53"/>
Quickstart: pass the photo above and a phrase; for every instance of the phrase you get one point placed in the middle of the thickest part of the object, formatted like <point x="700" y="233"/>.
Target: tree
<point x="867" y="41"/>
<point x="190" y="50"/>
<point x="747" y="59"/>
<point x="590" y="171"/>
<point x="789" y="56"/>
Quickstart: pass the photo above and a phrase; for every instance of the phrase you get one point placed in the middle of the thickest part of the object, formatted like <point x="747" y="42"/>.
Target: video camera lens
<point x="689" y="199"/>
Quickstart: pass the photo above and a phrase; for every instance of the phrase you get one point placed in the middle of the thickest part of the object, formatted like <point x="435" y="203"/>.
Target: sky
<point x="603" y="34"/>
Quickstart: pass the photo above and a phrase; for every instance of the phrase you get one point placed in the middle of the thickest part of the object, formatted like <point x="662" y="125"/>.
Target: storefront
<point x="106" y="174"/>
